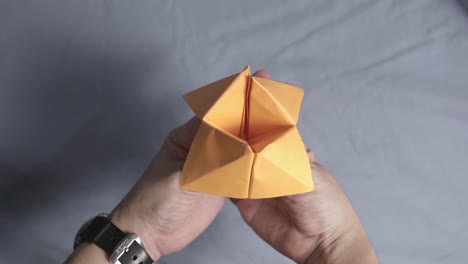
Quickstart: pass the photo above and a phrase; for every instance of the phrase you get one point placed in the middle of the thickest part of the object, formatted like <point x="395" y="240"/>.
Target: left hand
<point x="165" y="217"/>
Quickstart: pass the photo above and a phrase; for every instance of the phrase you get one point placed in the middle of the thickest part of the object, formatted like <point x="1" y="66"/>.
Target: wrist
<point x="87" y="253"/>
<point x="123" y="220"/>
<point x="347" y="247"/>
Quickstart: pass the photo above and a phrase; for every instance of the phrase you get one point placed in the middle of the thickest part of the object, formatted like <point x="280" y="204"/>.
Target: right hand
<point x="313" y="227"/>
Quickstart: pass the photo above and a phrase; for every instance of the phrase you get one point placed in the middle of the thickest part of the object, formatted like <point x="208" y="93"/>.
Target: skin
<point x="315" y="227"/>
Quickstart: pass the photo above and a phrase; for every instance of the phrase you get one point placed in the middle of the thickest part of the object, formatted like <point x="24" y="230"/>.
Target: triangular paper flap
<point x="260" y="142"/>
<point x="270" y="181"/>
<point x="209" y="152"/>
<point x="230" y="180"/>
<point x="265" y="111"/>
<point x="221" y="103"/>
<point x="289" y="96"/>
<point x="202" y="99"/>
<point x="287" y="152"/>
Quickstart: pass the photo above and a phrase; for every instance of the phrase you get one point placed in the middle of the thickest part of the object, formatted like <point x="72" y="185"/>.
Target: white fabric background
<point x="89" y="89"/>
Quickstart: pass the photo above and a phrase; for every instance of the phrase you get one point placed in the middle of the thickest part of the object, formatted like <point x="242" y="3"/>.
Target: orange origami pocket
<point x="247" y="145"/>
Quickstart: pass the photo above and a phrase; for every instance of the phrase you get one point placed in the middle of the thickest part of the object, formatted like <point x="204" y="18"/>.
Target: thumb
<point x="262" y="74"/>
<point x="179" y="140"/>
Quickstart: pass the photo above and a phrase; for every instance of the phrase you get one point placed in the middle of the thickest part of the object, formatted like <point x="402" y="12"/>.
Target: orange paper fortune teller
<point x="247" y="145"/>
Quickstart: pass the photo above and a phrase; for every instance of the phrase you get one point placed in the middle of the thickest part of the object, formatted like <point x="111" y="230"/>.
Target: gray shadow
<point x="464" y="3"/>
<point x="124" y="125"/>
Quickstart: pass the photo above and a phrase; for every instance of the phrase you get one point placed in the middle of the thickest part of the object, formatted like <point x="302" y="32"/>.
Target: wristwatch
<point x="121" y="248"/>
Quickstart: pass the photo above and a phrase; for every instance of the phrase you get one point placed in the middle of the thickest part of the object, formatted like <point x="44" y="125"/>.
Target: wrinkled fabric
<point x="89" y="89"/>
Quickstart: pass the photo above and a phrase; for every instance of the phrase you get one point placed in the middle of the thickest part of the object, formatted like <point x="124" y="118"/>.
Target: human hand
<point x="314" y="227"/>
<point x="166" y="217"/>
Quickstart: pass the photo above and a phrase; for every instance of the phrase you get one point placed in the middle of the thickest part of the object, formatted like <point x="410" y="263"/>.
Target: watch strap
<point x="135" y="254"/>
<point x="109" y="237"/>
<point x="103" y="233"/>
<point x="119" y="246"/>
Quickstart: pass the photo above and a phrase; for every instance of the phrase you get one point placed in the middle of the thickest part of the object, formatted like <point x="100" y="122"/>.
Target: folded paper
<point x="247" y="145"/>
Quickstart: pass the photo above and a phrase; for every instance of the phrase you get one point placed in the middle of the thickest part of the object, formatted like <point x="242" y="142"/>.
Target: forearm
<point x="87" y="253"/>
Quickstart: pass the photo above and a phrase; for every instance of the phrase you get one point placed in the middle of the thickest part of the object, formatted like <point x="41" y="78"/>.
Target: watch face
<point x="80" y="232"/>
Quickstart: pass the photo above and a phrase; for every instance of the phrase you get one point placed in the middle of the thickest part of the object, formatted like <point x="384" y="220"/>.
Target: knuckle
<point x="315" y="165"/>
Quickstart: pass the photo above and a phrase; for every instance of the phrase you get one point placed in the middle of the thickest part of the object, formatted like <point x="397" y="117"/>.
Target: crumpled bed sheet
<point x="89" y="89"/>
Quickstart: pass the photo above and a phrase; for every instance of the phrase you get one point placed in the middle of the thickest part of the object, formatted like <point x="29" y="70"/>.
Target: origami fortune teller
<point x="247" y="145"/>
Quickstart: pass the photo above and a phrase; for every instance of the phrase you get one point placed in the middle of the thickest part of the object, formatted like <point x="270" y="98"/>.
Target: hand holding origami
<point x="313" y="227"/>
<point x="247" y="145"/>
